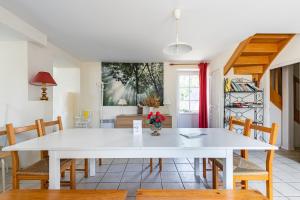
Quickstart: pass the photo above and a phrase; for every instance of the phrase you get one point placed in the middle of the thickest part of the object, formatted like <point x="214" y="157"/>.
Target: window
<point x="276" y="87"/>
<point x="188" y="92"/>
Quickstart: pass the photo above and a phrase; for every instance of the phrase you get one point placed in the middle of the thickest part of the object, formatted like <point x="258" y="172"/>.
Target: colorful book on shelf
<point x="234" y="85"/>
<point x="253" y="87"/>
<point x="227" y="85"/>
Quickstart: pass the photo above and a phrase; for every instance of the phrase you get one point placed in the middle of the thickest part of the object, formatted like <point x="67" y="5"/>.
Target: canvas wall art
<point x="131" y="81"/>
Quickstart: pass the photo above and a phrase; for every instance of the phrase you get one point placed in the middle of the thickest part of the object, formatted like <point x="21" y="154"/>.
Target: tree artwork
<point x="131" y="81"/>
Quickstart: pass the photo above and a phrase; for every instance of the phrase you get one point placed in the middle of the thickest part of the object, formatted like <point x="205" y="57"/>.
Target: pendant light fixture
<point x="178" y="48"/>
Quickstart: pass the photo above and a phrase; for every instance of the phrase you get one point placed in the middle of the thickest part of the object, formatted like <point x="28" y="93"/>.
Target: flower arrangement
<point x="155" y="122"/>
<point x="152" y="101"/>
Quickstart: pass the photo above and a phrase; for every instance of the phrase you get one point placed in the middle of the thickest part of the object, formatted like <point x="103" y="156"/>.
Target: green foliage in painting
<point x="131" y="81"/>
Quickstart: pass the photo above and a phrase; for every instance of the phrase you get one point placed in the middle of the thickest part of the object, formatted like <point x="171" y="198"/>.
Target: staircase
<point x="254" y="55"/>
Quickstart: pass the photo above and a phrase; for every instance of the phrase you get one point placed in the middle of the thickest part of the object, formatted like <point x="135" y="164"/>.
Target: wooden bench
<point x="64" y="195"/>
<point x="144" y="194"/>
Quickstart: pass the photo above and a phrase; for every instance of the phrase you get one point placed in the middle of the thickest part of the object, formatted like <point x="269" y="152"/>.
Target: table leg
<point x="92" y="166"/>
<point x="228" y="170"/>
<point x="196" y="167"/>
<point x="54" y="170"/>
<point x="3" y="174"/>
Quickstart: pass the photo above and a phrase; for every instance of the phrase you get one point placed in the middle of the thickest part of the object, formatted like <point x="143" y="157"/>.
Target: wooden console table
<point x="126" y="121"/>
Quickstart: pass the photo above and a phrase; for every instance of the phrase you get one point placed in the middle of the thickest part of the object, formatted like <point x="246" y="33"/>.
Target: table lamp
<point x="122" y="102"/>
<point x="43" y="79"/>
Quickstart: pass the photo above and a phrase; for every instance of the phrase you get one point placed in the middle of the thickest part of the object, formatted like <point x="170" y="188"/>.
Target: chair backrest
<point x="11" y="132"/>
<point x="57" y="122"/>
<point x="42" y="130"/>
<point x="243" y="123"/>
<point x="273" y="132"/>
<point x="246" y="130"/>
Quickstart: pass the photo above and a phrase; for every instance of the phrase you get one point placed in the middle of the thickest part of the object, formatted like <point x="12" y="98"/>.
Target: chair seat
<point x="4" y="154"/>
<point x="243" y="167"/>
<point x="41" y="167"/>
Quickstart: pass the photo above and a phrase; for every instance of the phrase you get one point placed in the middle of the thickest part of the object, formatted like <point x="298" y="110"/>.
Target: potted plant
<point x="155" y="122"/>
<point x="151" y="102"/>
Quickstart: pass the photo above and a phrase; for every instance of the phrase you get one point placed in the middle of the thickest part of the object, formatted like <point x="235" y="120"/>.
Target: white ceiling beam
<point x="12" y="22"/>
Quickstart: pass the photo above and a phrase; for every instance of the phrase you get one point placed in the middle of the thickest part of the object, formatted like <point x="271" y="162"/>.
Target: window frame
<point x="186" y="73"/>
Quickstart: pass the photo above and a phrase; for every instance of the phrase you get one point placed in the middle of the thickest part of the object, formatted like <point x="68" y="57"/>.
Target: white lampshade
<point x="122" y="102"/>
<point x="166" y="101"/>
<point x="178" y="49"/>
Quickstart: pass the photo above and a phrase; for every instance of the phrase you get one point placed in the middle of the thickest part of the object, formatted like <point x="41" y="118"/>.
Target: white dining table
<point x="122" y="143"/>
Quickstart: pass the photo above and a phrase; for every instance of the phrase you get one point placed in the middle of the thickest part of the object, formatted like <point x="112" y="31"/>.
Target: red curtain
<point x="203" y="123"/>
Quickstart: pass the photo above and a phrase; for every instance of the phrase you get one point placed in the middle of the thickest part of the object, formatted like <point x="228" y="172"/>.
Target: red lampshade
<point x="43" y="78"/>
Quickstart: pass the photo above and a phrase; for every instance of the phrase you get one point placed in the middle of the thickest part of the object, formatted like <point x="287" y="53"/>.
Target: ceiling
<point x="138" y="30"/>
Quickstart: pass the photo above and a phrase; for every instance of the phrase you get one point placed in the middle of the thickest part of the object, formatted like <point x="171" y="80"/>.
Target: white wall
<point x="14" y="85"/>
<point x="216" y="95"/>
<point x="289" y="55"/>
<point x="39" y="59"/>
<point x="66" y="94"/>
<point x="90" y="78"/>
<point x="16" y="106"/>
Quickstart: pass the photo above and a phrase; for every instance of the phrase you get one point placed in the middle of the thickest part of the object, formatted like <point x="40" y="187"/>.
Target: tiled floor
<point x="131" y="174"/>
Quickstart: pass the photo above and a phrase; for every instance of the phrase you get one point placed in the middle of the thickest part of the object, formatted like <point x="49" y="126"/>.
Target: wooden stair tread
<point x="144" y="194"/>
<point x="259" y="49"/>
<point x="64" y="194"/>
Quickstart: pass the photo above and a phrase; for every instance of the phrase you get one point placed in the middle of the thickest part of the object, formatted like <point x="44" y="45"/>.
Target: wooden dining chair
<point x="245" y="170"/>
<point x="38" y="170"/>
<point x="58" y="123"/>
<point x="233" y="123"/>
<point x="159" y="162"/>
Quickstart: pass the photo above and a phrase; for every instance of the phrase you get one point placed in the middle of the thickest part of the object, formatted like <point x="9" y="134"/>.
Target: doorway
<point x="188" y="98"/>
<point x="290" y="115"/>
<point x="296" y="91"/>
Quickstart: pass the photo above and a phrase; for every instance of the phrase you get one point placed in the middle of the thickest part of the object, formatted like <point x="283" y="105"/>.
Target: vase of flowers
<point x="155" y="122"/>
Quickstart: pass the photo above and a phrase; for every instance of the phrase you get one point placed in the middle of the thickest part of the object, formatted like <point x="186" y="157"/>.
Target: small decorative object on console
<point x="155" y="122"/>
<point x="140" y="108"/>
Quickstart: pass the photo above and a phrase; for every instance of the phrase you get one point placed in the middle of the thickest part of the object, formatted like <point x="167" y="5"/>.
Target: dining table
<point x="94" y="143"/>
